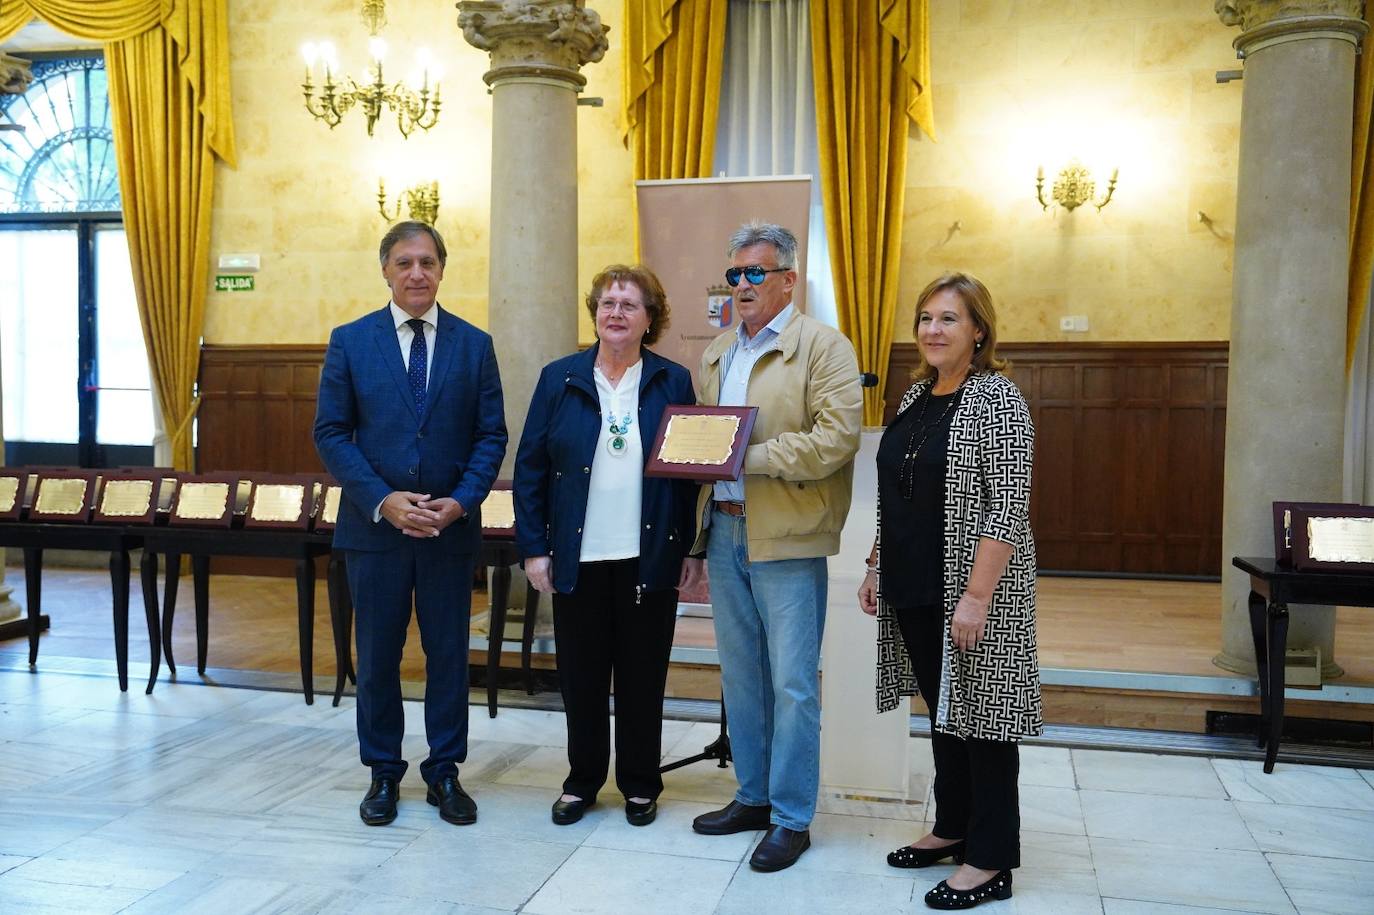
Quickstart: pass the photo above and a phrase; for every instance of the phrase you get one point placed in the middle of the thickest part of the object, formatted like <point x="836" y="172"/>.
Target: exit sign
<point x="228" y="283"/>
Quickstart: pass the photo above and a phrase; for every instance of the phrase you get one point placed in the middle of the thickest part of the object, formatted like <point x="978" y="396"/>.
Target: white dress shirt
<point x="616" y="488"/>
<point x="738" y="364"/>
<point x="406" y="336"/>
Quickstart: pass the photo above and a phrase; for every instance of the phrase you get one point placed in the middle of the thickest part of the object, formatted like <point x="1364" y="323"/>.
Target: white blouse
<point x="611" y="528"/>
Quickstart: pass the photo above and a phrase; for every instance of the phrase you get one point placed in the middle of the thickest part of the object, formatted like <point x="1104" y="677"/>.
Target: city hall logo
<point x="718" y="306"/>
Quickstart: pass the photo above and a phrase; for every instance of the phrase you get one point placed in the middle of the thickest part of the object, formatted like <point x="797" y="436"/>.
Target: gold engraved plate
<point x="499" y="509"/>
<point x="278" y="502"/>
<point x="331" y="504"/>
<point x="1341" y="539"/>
<point x="9" y="491"/>
<point x="126" y="498"/>
<point x="203" y="501"/>
<point x="698" y="439"/>
<point x="61" y="497"/>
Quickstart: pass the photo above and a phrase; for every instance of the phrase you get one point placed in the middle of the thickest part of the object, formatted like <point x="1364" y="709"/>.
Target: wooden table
<point x="201" y="543"/>
<point x="33" y="537"/>
<point x="1272" y="588"/>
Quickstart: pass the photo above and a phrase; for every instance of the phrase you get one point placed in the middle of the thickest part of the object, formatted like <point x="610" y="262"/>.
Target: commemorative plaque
<point x="62" y="497"/>
<point x="128" y="499"/>
<point x="1333" y="539"/>
<point x="327" y="515"/>
<point x="1283" y="525"/>
<point x="11" y="486"/>
<point x="280" y="502"/>
<point x="701" y="443"/>
<point x="498" y="512"/>
<point x="205" y="500"/>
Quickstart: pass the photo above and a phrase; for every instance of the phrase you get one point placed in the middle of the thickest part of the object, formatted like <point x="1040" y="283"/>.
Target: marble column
<point x="537" y="48"/>
<point x="15" y="77"/>
<point x="1285" y="409"/>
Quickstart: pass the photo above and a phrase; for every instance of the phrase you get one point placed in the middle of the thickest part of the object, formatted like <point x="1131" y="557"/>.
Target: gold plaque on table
<point x="1340" y="539"/>
<point x="701" y="443"/>
<point x="61" y="496"/>
<point x="282" y="503"/>
<point x="126" y="498"/>
<point x="330" y="513"/>
<point x="9" y="494"/>
<point x="202" y="501"/>
<point x="498" y="512"/>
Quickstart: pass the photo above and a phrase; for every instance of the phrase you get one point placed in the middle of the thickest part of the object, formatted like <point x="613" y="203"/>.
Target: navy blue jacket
<point x="373" y="441"/>
<point x="554" y="463"/>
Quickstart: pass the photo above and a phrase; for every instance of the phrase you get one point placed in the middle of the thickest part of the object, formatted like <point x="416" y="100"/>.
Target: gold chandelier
<point x="1073" y="187"/>
<point x="414" y="108"/>
<point x="422" y="201"/>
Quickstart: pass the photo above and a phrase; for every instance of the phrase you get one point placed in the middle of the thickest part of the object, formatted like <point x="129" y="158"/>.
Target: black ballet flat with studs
<point x="946" y="897"/>
<point x="908" y="856"/>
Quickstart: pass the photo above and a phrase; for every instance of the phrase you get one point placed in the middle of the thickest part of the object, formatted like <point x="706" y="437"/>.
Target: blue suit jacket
<point x="373" y="441"/>
<point x="563" y="431"/>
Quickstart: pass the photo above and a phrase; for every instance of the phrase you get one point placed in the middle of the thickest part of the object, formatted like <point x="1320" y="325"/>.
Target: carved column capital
<point x="1269" y="22"/>
<point x="15" y="75"/>
<point x="534" y="39"/>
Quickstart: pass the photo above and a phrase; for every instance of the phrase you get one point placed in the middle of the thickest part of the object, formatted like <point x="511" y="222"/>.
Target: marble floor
<point x="212" y="799"/>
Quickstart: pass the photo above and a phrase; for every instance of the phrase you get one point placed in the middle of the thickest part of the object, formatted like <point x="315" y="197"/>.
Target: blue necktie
<point x="419" y="354"/>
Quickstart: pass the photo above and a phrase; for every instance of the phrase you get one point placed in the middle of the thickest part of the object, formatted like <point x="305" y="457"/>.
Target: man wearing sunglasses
<point x="767" y="534"/>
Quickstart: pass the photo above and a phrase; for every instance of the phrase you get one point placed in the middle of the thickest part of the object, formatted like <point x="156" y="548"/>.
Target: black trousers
<point x="605" y="630"/>
<point x="975" y="780"/>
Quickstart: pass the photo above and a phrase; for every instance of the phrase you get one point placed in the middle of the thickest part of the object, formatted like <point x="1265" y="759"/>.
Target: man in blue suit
<point x="411" y="422"/>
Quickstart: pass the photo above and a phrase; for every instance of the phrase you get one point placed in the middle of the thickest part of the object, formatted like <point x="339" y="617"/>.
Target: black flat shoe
<point x="640" y="814"/>
<point x="946" y="897"/>
<point x="780" y="848"/>
<point x="379" y="804"/>
<point x="566" y="813"/>
<point x="732" y="818"/>
<point x="453" y="802"/>
<point x="907" y="856"/>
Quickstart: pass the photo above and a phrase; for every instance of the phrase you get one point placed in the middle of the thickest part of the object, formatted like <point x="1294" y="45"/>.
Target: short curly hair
<point x="655" y="299"/>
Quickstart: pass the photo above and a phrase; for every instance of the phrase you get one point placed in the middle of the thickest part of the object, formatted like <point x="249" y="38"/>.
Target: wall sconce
<point x="412" y="108"/>
<point x="422" y="201"/>
<point x="1073" y="187"/>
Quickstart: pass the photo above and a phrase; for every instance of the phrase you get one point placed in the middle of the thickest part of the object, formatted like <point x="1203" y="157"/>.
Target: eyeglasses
<point x="754" y="274"/>
<point x="626" y="309"/>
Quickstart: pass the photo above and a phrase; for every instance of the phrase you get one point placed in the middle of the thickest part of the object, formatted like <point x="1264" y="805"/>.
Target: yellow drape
<point x="168" y="65"/>
<point x="862" y="103"/>
<point x="675" y="52"/>
<point x="908" y="21"/>
<point x="1361" y="205"/>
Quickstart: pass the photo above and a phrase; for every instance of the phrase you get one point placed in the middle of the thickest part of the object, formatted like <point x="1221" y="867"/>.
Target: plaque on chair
<point x="1283" y="525"/>
<point x="280" y="502"/>
<point x="1333" y="538"/>
<point x="498" y="511"/>
<point x="204" y="500"/>
<point x="128" y="499"/>
<point x="701" y="443"/>
<point x="11" y="492"/>
<point x="63" y="496"/>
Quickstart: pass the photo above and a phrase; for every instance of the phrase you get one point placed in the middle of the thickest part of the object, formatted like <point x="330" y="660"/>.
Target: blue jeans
<point x="769" y="617"/>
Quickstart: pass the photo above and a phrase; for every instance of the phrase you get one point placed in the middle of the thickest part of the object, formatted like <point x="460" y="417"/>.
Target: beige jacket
<point x="799" y="467"/>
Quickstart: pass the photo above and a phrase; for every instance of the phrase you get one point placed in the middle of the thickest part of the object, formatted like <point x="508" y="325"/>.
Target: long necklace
<point x="906" y="474"/>
<point x="616" y="444"/>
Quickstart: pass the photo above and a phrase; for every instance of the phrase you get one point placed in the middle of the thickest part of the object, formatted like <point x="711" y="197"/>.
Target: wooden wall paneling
<point x="258" y="408"/>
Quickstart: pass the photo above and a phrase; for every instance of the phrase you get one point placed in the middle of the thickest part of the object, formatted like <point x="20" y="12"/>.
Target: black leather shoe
<point x="453" y="802"/>
<point x="566" y="813"/>
<point x="734" y="817"/>
<point x="944" y="896"/>
<point x="907" y="856"/>
<point x="780" y="848"/>
<point x="379" y="804"/>
<point x="640" y="814"/>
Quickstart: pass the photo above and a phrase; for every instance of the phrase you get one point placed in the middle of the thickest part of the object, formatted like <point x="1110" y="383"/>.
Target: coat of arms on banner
<point x="719" y="305"/>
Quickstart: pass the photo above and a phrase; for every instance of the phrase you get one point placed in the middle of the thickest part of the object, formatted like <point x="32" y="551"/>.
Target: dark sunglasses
<point x="754" y="274"/>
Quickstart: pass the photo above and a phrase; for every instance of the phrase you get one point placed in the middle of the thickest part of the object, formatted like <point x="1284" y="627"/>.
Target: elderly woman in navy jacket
<point x="609" y="543"/>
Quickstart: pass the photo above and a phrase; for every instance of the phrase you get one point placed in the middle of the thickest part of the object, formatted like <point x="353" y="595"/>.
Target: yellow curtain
<point x="908" y="21"/>
<point x="1361" y="205"/>
<point x="863" y="92"/>
<point x="674" y="54"/>
<point x="168" y="65"/>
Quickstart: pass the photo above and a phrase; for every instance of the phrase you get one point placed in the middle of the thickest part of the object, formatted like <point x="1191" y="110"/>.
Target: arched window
<point x="63" y="161"/>
<point x="75" y="368"/>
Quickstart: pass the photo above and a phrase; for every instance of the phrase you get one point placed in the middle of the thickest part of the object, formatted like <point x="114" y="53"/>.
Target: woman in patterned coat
<point x="952" y="581"/>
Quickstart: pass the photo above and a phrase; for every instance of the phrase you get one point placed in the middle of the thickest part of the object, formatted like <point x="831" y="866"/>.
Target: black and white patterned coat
<point x="993" y="691"/>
